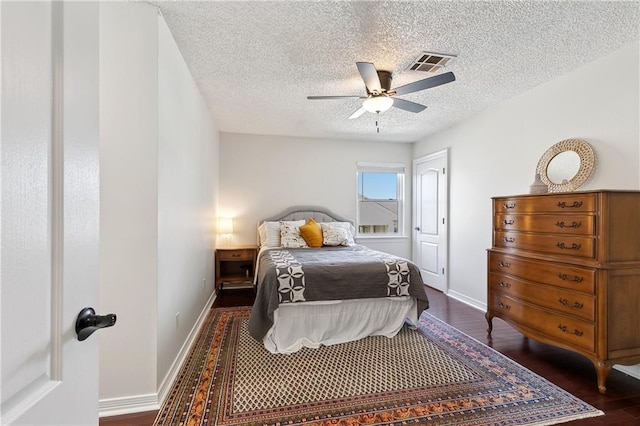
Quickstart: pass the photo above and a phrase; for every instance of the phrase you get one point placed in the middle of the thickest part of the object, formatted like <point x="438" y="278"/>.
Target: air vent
<point x="431" y="62"/>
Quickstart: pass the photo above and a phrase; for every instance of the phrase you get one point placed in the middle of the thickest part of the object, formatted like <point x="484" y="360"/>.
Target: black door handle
<point x="88" y="322"/>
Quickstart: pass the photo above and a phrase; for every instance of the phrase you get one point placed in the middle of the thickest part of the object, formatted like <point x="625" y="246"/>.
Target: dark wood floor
<point x="571" y="372"/>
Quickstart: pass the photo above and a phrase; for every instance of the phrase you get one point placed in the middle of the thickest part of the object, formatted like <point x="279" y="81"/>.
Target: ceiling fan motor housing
<point x="385" y="80"/>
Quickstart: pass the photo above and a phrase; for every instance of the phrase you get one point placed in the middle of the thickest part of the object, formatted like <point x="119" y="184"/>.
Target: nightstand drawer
<point x="236" y="254"/>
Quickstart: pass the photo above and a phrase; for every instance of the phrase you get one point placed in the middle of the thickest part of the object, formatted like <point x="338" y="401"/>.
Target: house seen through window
<point x="380" y="189"/>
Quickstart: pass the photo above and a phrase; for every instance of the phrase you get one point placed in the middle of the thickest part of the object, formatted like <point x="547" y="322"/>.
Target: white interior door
<point x="49" y="212"/>
<point x="430" y="218"/>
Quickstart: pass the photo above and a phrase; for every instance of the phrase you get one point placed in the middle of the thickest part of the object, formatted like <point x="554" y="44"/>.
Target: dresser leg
<point x="489" y="319"/>
<point x="602" y="372"/>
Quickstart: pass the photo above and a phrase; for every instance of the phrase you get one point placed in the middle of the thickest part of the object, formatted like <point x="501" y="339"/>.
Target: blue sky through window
<point x="378" y="186"/>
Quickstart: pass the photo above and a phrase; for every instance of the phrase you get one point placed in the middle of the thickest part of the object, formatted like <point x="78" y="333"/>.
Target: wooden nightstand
<point x="235" y="267"/>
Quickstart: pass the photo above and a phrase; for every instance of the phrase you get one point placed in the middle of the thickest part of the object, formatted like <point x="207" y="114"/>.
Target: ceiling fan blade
<point x="358" y="113"/>
<point x="334" y="97"/>
<point x="427" y="83"/>
<point x="408" y="105"/>
<point x="370" y="76"/>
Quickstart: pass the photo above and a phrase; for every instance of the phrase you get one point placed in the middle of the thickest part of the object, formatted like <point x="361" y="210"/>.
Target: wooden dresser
<point x="564" y="269"/>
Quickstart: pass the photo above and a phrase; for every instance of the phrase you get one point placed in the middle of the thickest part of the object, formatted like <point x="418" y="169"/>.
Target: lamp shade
<point x="225" y="225"/>
<point x="377" y="103"/>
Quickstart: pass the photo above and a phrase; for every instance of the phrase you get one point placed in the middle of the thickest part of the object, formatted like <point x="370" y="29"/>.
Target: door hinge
<point x="444" y="170"/>
<point x="442" y="271"/>
<point x="443" y="220"/>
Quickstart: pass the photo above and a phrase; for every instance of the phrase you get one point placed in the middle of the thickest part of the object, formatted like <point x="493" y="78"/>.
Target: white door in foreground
<point x="50" y="211"/>
<point x="430" y="218"/>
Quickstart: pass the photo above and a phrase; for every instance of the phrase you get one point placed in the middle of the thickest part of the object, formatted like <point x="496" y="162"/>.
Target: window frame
<point x="400" y="170"/>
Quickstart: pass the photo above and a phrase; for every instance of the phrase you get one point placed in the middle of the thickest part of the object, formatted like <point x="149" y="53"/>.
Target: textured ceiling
<point x="256" y="61"/>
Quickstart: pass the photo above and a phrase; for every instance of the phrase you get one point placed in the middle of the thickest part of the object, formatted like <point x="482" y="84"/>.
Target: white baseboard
<point x="631" y="370"/>
<point x="128" y="404"/>
<point x="467" y="300"/>
<point x="171" y="375"/>
<point x="140" y="403"/>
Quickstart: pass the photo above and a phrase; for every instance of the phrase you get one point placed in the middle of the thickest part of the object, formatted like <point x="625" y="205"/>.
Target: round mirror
<point x="566" y="165"/>
<point x="563" y="167"/>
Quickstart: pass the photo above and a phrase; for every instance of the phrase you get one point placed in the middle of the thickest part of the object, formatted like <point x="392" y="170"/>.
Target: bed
<point x="338" y="292"/>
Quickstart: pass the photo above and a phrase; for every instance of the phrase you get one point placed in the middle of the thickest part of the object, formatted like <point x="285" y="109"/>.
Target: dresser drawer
<point x="555" y="224"/>
<point x="572" y="245"/>
<point x="556" y="274"/>
<point x="558" y="299"/>
<point x="236" y="254"/>
<point x="546" y="204"/>
<point x="557" y="326"/>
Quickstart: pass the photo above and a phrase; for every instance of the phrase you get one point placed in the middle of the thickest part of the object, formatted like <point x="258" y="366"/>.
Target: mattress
<point x="313" y="324"/>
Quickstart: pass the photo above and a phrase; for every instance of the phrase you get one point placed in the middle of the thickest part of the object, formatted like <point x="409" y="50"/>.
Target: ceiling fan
<point x="380" y="97"/>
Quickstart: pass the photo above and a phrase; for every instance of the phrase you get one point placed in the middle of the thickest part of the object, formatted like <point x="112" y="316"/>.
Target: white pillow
<point x="346" y="230"/>
<point x="269" y="233"/>
<point x="290" y="236"/>
<point x="334" y="236"/>
<point x="262" y="234"/>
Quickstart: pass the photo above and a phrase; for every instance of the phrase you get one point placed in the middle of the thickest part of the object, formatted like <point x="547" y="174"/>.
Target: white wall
<point x="187" y="192"/>
<point x="262" y="175"/>
<point x="496" y="153"/>
<point x="159" y="170"/>
<point x="129" y="197"/>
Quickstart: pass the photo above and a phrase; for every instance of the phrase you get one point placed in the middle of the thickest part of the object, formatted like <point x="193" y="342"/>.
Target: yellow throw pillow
<point x="312" y="233"/>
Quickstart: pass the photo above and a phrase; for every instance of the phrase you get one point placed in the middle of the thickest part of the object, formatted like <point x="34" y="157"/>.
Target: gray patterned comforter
<point x="329" y="273"/>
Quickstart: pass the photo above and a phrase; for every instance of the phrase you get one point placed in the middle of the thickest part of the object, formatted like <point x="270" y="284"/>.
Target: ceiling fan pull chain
<point x="378" y="122"/>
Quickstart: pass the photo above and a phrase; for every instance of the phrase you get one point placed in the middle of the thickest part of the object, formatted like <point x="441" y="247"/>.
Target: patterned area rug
<point x="436" y="376"/>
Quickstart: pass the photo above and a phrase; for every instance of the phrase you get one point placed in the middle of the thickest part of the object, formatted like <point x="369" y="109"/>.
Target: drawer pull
<point x="504" y="264"/>
<point x="509" y="206"/>
<point x="503" y="306"/>
<point x="565" y="277"/>
<point x="508" y="222"/>
<point x="561" y="224"/>
<point x="509" y="239"/>
<point x="574" y="205"/>
<point x="503" y="284"/>
<point x="576" y="305"/>
<point x="565" y="329"/>
<point x="574" y="246"/>
<point x="235" y="255"/>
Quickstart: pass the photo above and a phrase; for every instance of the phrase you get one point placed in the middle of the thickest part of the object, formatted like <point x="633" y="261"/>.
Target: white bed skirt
<point x="312" y="324"/>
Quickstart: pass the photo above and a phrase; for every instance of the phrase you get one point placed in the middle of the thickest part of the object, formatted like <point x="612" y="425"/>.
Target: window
<point x="380" y="200"/>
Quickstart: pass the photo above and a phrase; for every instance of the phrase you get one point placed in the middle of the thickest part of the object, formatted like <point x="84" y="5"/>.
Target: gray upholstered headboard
<point x="319" y="214"/>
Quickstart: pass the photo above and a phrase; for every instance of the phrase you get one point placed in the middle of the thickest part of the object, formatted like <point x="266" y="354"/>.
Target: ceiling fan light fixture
<point x="377" y="103"/>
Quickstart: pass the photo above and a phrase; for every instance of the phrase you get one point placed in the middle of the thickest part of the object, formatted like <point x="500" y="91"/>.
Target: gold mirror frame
<point x="587" y="162"/>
